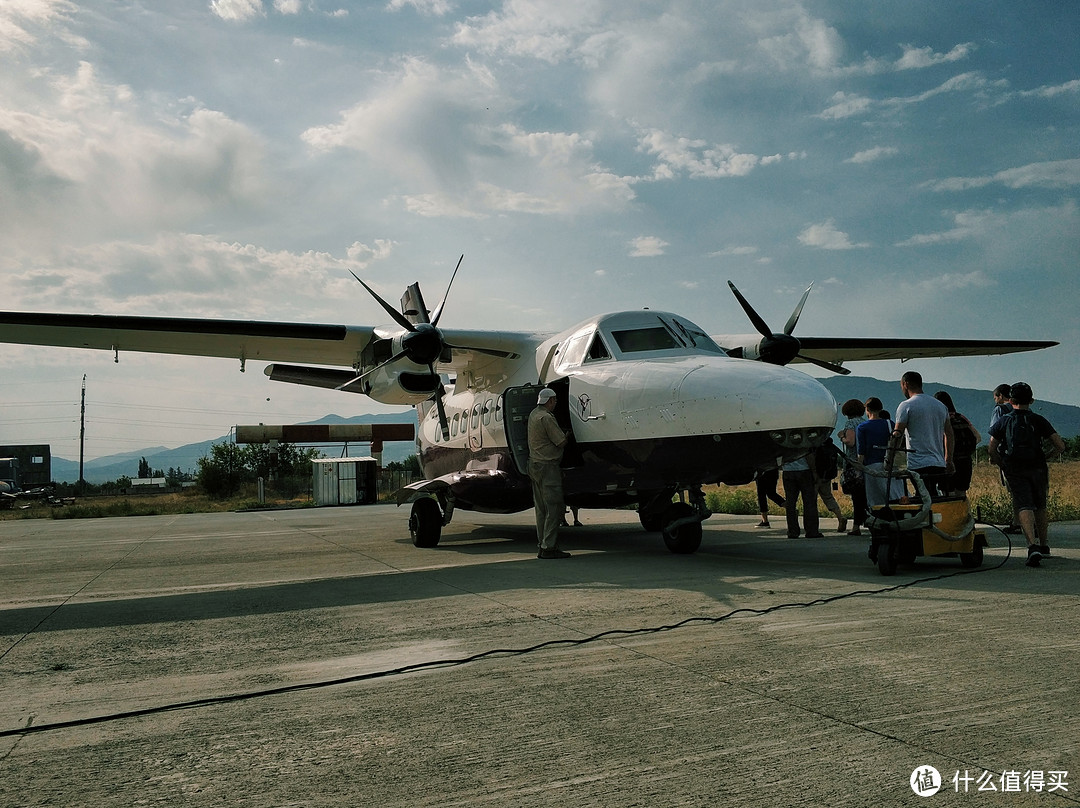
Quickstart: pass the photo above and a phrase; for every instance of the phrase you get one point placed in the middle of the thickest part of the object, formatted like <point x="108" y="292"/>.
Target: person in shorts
<point x="1016" y="445"/>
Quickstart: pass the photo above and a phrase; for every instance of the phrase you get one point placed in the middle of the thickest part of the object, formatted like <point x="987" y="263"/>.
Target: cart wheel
<point x="972" y="559"/>
<point x="886" y="559"/>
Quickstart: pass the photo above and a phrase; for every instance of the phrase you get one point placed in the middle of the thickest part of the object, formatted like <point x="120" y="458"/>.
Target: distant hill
<point x="186" y="458"/>
<point x="975" y="404"/>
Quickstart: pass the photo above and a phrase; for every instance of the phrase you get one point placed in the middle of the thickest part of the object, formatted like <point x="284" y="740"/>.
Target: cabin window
<point x="498" y="410"/>
<point x="455" y="424"/>
<point x="639" y="340"/>
<point x="476" y="416"/>
<point x="487" y="411"/>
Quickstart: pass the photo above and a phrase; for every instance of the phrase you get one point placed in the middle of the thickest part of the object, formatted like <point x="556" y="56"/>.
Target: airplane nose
<point x="742" y="395"/>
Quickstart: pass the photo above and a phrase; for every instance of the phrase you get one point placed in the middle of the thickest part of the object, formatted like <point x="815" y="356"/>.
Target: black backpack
<point x="965" y="438"/>
<point x="1022" y="444"/>
<point x="825" y="460"/>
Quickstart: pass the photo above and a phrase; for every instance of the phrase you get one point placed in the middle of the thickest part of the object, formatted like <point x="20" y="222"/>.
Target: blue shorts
<point x="1028" y="487"/>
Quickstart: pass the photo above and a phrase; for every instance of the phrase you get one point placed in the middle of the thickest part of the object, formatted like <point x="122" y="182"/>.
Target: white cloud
<point x="1051" y="91"/>
<point x="695" y="158"/>
<point x="435" y="8"/>
<point x="550" y="31"/>
<point x="970" y="82"/>
<point x="917" y="58"/>
<point x="431" y="131"/>
<point x="825" y="236"/>
<point x="1052" y="174"/>
<point x="872" y="155"/>
<point x="91" y="159"/>
<point x="237" y="10"/>
<point x="807" y="42"/>
<point x="844" y="105"/>
<point x="180" y="273"/>
<point x="739" y="250"/>
<point x="647" y="247"/>
<point x="19" y="19"/>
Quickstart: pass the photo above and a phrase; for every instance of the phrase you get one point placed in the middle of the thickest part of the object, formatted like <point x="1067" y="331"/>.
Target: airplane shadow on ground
<point x="734" y="568"/>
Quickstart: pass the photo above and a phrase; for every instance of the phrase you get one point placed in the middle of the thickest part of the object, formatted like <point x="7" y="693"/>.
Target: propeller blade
<point x="821" y="363"/>
<point x="439" y="309"/>
<point x="755" y="318"/>
<point x="794" y="318"/>
<point x="399" y="318"/>
<point x="444" y="425"/>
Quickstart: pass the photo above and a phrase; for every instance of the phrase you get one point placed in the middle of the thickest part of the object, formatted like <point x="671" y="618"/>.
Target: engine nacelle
<point x="402" y="382"/>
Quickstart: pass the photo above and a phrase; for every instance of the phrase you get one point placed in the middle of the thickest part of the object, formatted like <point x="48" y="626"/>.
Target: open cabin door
<point x="518" y="402"/>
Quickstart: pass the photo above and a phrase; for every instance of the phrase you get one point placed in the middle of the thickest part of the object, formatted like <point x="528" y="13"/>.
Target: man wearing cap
<point x="1016" y="445"/>
<point x="547" y="440"/>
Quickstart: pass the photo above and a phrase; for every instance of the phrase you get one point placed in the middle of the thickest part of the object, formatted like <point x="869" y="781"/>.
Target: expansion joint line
<point x="78" y="591"/>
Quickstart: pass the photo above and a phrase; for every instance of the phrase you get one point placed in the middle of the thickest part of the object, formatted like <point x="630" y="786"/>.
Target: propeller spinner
<point x="779" y="349"/>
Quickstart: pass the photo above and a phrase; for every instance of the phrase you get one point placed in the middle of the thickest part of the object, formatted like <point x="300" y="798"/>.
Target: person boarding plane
<point x="656" y="408"/>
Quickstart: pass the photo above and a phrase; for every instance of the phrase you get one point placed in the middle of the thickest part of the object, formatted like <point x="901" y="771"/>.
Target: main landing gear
<point x="679" y="523"/>
<point x="426" y="522"/>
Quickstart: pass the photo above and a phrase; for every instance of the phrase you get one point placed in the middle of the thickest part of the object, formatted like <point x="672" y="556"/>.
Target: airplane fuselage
<point x="652" y="406"/>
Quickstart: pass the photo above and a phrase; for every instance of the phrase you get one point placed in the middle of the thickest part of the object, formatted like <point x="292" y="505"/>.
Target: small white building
<point x="344" y="480"/>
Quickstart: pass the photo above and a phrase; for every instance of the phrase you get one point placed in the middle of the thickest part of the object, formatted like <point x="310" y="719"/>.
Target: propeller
<point x="423" y="343"/>
<point x="779" y="349"/>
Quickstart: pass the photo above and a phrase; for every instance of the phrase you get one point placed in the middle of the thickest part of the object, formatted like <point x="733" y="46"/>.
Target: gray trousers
<point x="547" y="491"/>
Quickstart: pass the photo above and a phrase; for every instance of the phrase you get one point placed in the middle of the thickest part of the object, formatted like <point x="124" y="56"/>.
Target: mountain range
<point x="975" y="404"/>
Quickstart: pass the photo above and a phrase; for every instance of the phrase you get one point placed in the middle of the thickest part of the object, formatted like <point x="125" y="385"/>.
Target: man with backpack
<point x="1016" y="444"/>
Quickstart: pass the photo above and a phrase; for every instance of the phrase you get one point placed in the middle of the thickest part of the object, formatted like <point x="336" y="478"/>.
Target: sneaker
<point x="841" y="526"/>
<point x="762" y="524"/>
<point x="553" y="553"/>
<point x="1034" y="555"/>
<point x="1044" y="549"/>
<point x="1013" y="530"/>
<point x="854" y="532"/>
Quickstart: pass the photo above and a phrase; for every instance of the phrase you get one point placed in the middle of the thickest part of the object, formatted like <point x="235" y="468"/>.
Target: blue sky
<point x="237" y="158"/>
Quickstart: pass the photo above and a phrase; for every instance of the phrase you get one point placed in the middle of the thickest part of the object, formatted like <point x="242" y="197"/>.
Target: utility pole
<point x="82" y="436"/>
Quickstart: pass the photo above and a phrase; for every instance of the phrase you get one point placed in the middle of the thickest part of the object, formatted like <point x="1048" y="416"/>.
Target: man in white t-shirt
<point x="922" y="422"/>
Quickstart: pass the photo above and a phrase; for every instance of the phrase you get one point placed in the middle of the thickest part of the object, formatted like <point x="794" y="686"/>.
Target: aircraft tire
<point x="425" y="523"/>
<point x="685" y="538"/>
<point x="886" y="559"/>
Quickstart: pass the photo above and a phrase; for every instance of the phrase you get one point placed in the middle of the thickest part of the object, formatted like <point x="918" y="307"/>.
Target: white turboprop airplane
<point x="656" y="407"/>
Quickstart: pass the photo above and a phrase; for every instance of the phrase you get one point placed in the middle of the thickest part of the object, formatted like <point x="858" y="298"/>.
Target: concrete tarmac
<point x="316" y="658"/>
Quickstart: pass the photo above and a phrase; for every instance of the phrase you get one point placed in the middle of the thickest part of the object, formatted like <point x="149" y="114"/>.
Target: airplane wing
<point x="334" y="345"/>
<point x="846" y="349"/>
<point x="838" y="350"/>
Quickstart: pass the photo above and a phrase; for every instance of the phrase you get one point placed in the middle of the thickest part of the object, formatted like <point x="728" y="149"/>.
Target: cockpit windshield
<point x="639" y="340"/>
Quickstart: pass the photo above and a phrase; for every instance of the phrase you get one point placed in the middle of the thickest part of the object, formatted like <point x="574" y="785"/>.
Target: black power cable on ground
<point x="491" y="653"/>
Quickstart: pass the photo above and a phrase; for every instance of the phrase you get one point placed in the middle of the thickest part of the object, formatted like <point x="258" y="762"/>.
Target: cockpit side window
<point x="638" y="340"/>
<point x="597" y="350"/>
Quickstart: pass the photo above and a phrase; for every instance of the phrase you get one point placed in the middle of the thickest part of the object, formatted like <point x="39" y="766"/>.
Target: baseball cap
<point x="545" y="395"/>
